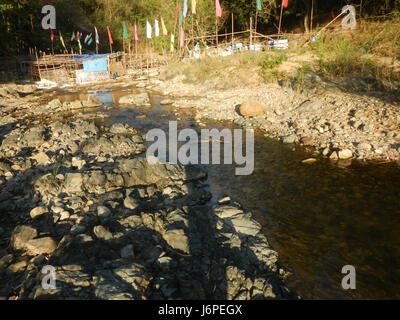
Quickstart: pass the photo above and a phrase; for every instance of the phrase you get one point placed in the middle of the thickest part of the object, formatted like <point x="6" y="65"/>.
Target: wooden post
<point x="216" y="32"/>
<point x="312" y="16"/>
<point x="233" y="31"/>
<point x="255" y="27"/>
<point x="280" y="22"/>
<point x="251" y="30"/>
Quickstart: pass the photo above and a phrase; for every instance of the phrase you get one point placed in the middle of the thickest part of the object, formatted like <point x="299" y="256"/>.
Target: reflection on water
<point x="319" y="217"/>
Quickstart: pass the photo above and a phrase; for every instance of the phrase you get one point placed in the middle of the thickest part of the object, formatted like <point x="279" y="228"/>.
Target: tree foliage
<point x="20" y="20"/>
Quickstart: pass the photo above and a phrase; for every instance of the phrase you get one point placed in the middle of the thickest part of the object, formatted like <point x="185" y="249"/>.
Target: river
<point x="319" y="217"/>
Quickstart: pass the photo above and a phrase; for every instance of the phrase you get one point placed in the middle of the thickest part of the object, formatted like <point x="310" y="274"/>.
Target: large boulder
<point x="252" y="109"/>
<point x="21" y="235"/>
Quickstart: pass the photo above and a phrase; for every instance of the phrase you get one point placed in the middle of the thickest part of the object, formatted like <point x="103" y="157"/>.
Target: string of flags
<point x="181" y="13"/>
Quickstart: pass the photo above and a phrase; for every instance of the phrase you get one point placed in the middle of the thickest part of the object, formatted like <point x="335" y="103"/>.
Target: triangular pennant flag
<point x="62" y="41"/>
<point x="181" y="38"/>
<point x="110" y="39"/>
<point x="285" y="3"/>
<point x="218" y="9"/>
<point x="73" y="36"/>
<point x="136" y="34"/>
<point x="193" y="6"/>
<point x="51" y="35"/>
<point x="185" y="8"/>
<point x="148" y="30"/>
<point x="125" y="31"/>
<point x="172" y="42"/>
<point x="157" y="28"/>
<point x="97" y="35"/>
<point x="90" y="41"/>
<point x="176" y="13"/>
<point x="259" y="7"/>
<point x="180" y="17"/>
<point x="164" y="29"/>
<point x="79" y="44"/>
<point x="89" y="36"/>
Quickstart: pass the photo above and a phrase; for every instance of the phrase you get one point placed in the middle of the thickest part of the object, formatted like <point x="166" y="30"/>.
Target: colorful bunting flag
<point x="218" y="9"/>
<point x="79" y="43"/>
<point x="97" y="35"/>
<point x="176" y="13"/>
<point x="285" y="3"/>
<point x="157" y="28"/>
<point x="136" y="34"/>
<point x="90" y="41"/>
<point x="125" y="32"/>
<point x="164" y="29"/>
<point x="181" y="38"/>
<point x="73" y="36"/>
<point x="180" y="17"/>
<point x="193" y="6"/>
<point x="185" y="8"/>
<point x="259" y="8"/>
<point x="172" y="42"/>
<point x="89" y="36"/>
<point x="109" y="36"/>
<point x="148" y="30"/>
<point x="51" y="35"/>
<point x="62" y="40"/>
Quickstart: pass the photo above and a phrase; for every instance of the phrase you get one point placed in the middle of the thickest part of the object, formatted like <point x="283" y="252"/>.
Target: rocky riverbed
<point x="82" y="198"/>
<point x="332" y="119"/>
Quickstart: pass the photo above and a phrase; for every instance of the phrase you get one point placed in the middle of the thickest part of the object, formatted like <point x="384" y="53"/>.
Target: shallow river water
<point x="319" y="217"/>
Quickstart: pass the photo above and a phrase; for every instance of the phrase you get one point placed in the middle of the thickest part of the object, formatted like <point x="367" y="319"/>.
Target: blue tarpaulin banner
<point x="93" y="63"/>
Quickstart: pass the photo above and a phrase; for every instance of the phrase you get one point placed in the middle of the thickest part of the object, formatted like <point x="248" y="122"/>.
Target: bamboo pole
<point x="280" y="20"/>
<point x="312" y="16"/>
<point x="233" y="30"/>
<point x="251" y="28"/>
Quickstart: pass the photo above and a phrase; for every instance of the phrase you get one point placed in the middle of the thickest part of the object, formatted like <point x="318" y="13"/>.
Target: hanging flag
<point x="62" y="40"/>
<point x="109" y="36"/>
<point x="218" y="9"/>
<point x="157" y="28"/>
<point x="181" y="38"/>
<point x="77" y="36"/>
<point x="193" y="6"/>
<point x="136" y="35"/>
<point x="185" y="8"/>
<point x="89" y="36"/>
<point x="285" y="3"/>
<point x="90" y="41"/>
<point x="176" y="13"/>
<point x="259" y="8"/>
<point x="79" y="44"/>
<point x="148" y="29"/>
<point x="125" y="32"/>
<point x="164" y="29"/>
<point x="180" y="17"/>
<point x="97" y="35"/>
<point x="172" y="42"/>
<point x="51" y="35"/>
<point x="73" y="36"/>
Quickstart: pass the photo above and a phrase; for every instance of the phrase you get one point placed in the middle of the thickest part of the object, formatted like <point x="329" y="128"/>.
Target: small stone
<point x="41" y="158"/>
<point x="64" y="215"/>
<point x="78" y="229"/>
<point x="41" y="246"/>
<point x="38" y="211"/>
<point x="166" y="101"/>
<point x="103" y="212"/>
<point x="130" y="203"/>
<point x="307" y="141"/>
<point x="17" y="267"/>
<point x="76" y="104"/>
<point x="345" y="154"/>
<point x="127" y="251"/>
<point x="364" y="146"/>
<point x="102" y="233"/>
<point x="252" y="109"/>
<point x="334" y="156"/>
<point x="309" y="161"/>
<point x="289" y="139"/>
<point x="21" y="235"/>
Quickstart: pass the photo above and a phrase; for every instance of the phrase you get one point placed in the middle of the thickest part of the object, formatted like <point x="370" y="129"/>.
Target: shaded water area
<point x="319" y="217"/>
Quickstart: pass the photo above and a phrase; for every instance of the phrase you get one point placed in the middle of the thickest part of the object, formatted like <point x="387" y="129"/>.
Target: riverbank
<point x="326" y="118"/>
<point x="79" y="196"/>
